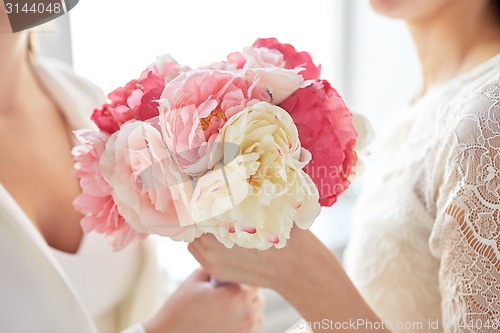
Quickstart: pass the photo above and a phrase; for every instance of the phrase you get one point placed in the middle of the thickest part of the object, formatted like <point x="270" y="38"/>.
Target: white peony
<point x="255" y="195"/>
<point x="281" y="83"/>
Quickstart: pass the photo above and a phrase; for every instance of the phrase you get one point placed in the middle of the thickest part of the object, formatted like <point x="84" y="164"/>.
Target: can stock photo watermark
<point x="27" y="14"/>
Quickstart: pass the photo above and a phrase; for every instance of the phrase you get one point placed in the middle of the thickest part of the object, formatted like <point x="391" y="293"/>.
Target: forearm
<point x="320" y="290"/>
<point x="305" y="273"/>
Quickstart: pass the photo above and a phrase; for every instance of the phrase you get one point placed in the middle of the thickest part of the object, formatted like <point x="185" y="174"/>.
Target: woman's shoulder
<point x="479" y="114"/>
<point x="55" y="70"/>
<point x="75" y="95"/>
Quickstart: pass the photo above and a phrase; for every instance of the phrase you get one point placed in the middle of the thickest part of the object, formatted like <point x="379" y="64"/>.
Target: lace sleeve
<point x="468" y="225"/>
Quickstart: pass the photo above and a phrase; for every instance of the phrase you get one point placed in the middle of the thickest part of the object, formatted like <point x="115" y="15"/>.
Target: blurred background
<point x="369" y="59"/>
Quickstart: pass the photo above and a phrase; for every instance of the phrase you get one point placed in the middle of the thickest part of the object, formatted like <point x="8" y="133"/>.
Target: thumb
<point x="199" y="275"/>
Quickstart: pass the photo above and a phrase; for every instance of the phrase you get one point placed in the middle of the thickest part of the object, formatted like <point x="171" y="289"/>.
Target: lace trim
<point x="470" y="264"/>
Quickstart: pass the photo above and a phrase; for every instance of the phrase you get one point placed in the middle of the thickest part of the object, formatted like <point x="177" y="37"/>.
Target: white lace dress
<point x="425" y="248"/>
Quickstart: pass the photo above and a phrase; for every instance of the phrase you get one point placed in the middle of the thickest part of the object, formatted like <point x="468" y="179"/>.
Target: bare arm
<point x="305" y="273"/>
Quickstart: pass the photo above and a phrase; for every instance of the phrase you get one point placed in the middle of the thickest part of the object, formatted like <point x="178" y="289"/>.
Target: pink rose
<point x="95" y="202"/>
<point x="137" y="165"/>
<point x="292" y="57"/>
<point x="326" y="129"/>
<point x="195" y="106"/>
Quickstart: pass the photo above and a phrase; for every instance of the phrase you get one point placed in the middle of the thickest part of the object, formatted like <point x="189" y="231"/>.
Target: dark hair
<point x="497" y="7"/>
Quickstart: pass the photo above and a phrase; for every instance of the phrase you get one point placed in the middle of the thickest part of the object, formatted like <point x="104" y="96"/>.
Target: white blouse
<point x="425" y="246"/>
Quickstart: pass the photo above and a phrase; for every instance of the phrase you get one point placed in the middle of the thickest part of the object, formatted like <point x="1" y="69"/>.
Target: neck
<point x="15" y="70"/>
<point x="444" y="53"/>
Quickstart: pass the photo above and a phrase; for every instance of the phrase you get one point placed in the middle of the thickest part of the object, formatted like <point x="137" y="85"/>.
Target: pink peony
<point x="137" y="165"/>
<point x="167" y="68"/>
<point x="237" y="59"/>
<point x="139" y="98"/>
<point x="95" y="202"/>
<point x="326" y="129"/>
<point x="195" y="106"/>
<point x="292" y="57"/>
<point x="257" y="57"/>
<point x="172" y="140"/>
<point x="218" y="66"/>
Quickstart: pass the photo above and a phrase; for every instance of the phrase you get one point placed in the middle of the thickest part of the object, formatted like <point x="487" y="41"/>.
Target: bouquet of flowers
<point x="242" y="149"/>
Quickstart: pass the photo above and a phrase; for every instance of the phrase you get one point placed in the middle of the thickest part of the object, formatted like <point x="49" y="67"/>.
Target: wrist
<point x="289" y="277"/>
<point x="308" y="272"/>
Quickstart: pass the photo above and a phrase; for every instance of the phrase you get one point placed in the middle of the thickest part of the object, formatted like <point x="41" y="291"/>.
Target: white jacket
<point x="36" y="296"/>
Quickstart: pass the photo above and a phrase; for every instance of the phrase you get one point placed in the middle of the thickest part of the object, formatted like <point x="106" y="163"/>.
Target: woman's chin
<point x="410" y="10"/>
<point x="390" y="8"/>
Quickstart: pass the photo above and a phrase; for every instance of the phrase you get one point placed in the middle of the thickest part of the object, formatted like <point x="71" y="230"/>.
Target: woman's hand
<point x="273" y="268"/>
<point x="199" y="307"/>
<point x="304" y="272"/>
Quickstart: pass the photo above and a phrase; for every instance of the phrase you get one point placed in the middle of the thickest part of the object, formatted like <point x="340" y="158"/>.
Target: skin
<point x="314" y="283"/>
<point x="197" y="306"/>
<point x="451" y="37"/>
<point x="33" y="133"/>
